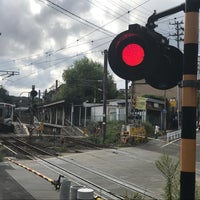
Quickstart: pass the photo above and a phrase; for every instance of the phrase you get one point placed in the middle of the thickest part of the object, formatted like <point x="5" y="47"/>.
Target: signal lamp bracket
<point x="155" y="16"/>
<point x="190" y="83"/>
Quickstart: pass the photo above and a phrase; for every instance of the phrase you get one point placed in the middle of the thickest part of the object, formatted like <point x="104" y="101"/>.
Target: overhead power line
<point x="82" y="20"/>
<point x="64" y="59"/>
<point x="75" y="41"/>
<point x="41" y="60"/>
<point x="76" y="17"/>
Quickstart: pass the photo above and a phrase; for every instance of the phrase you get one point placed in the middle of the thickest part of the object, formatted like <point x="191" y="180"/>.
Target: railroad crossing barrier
<point x="56" y="183"/>
<point x="173" y="135"/>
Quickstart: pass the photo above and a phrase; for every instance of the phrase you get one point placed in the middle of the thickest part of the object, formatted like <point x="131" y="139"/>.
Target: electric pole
<point x="179" y="32"/>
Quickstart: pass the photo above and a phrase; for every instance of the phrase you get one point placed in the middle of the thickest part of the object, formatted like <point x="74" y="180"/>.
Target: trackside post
<point x="189" y="101"/>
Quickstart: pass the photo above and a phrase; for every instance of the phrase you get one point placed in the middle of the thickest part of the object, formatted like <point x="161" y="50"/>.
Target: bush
<point x="170" y="170"/>
<point x="149" y="129"/>
<point x="113" y="132"/>
<point x="94" y="131"/>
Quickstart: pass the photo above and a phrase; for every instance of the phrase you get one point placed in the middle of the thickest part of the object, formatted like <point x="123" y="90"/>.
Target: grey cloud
<point x="25" y="34"/>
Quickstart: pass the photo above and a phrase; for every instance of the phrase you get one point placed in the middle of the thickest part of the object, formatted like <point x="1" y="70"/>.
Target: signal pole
<point x="189" y="101"/>
<point x="126" y="101"/>
<point x="104" y="94"/>
<point x="120" y="62"/>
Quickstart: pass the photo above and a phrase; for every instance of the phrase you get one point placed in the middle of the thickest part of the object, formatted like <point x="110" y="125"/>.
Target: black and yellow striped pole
<point x="189" y="101"/>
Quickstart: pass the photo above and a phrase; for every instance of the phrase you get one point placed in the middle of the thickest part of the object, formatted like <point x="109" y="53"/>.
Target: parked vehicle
<point x="6" y="116"/>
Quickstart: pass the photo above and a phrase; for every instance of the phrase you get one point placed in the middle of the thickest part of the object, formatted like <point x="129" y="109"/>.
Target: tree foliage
<point x="84" y="81"/>
<point x="4" y="96"/>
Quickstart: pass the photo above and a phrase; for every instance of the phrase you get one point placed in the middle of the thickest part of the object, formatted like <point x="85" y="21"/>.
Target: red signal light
<point x="133" y="54"/>
<point x="142" y="53"/>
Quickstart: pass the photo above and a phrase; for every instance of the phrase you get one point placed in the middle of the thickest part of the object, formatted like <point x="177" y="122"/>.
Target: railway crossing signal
<point x="169" y="61"/>
<point x="141" y="53"/>
<point x="33" y="92"/>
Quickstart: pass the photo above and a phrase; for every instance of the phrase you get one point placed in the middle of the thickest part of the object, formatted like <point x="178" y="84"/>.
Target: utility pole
<point x="104" y="94"/>
<point x="189" y="101"/>
<point x="179" y="32"/>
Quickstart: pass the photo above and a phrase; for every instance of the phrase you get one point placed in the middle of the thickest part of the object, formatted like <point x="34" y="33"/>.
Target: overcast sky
<point x="40" y="39"/>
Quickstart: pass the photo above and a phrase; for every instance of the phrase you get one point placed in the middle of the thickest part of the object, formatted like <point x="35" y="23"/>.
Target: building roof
<point x="143" y="89"/>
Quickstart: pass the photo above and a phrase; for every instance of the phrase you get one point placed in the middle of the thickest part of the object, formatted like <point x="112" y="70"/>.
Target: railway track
<point x="18" y="146"/>
<point x="108" y="186"/>
<point x="115" y="186"/>
<point x="84" y="143"/>
<point x="76" y="144"/>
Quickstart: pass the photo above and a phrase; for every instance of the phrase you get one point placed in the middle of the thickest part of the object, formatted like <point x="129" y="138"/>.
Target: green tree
<point x="4" y="95"/>
<point x="48" y="96"/>
<point x="84" y="81"/>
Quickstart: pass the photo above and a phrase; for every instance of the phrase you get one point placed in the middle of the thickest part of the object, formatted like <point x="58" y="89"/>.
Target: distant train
<point x="6" y="116"/>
